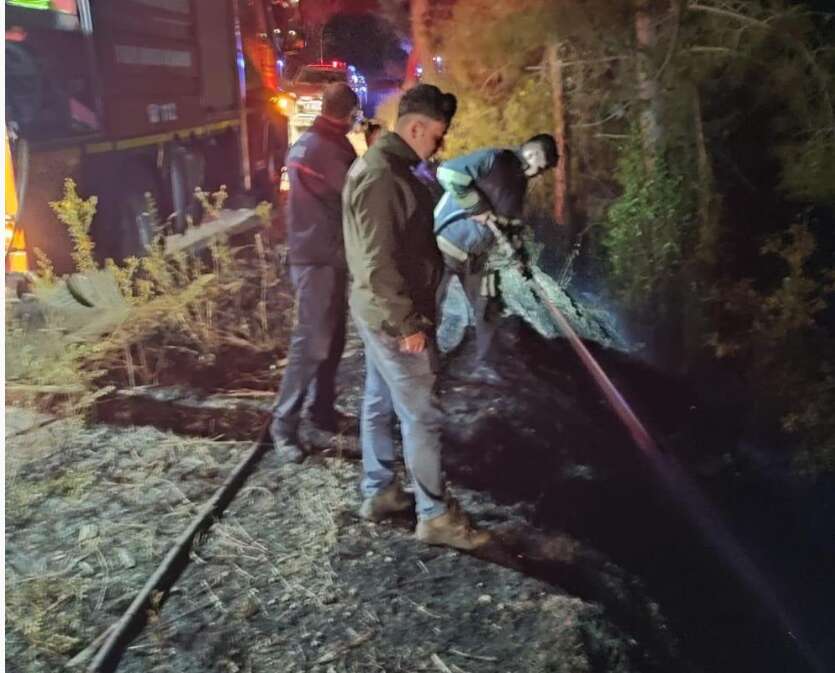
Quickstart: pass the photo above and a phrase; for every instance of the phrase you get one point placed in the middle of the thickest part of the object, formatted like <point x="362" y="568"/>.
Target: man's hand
<point x="483" y="217"/>
<point x="414" y="343"/>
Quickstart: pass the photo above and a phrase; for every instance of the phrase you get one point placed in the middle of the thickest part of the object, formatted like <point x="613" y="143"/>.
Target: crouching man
<point x="488" y="183"/>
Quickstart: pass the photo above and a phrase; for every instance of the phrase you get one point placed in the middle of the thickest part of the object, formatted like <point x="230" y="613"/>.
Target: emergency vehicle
<point x="136" y="97"/>
<point x="301" y="99"/>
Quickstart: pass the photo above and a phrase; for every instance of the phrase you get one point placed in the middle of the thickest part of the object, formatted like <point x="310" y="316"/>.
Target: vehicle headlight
<point x="284" y="103"/>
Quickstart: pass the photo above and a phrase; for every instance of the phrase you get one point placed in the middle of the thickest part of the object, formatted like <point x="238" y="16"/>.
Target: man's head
<point x="539" y="154"/>
<point x="372" y="129"/>
<point x="423" y="117"/>
<point x="339" y="102"/>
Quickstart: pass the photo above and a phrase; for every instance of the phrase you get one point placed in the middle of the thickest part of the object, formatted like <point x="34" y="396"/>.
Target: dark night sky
<point x="363" y="40"/>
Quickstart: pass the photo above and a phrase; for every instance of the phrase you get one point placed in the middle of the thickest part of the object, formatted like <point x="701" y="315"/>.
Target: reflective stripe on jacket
<point x="486" y="180"/>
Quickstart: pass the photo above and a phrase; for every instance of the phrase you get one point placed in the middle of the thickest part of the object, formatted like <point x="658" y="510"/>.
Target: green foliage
<point x="77" y="214"/>
<point x="662" y="231"/>
<point x="264" y="211"/>
<point x="776" y="333"/>
<point x="800" y="296"/>
<point x="46" y="271"/>
<point x="194" y="303"/>
<point x="212" y="203"/>
<point x="809" y="168"/>
<point x="647" y="227"/>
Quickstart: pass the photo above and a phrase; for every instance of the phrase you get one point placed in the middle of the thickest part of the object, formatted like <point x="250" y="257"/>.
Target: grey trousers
<point x="470" y="275"/>
<point x="315" y="347"/>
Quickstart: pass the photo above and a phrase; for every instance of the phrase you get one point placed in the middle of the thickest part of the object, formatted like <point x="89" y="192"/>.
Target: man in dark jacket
<point x="486" y="183"/>
<point x="395" y="270"/>
<point x="317" y="165"/>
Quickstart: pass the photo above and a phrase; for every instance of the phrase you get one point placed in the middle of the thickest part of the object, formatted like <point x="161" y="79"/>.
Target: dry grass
<point x="87" y="523"/>
<point x="181" y="312"/>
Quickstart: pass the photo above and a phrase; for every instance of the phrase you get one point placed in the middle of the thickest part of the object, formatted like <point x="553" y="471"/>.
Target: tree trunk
<point x="706" y="243"/>
<point x="562" y="206"/>
<point x="418" y="16"/>
<point x="648" y="96"/>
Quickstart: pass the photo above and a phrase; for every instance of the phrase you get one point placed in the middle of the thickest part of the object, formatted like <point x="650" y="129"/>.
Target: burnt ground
<point x="289" y="580"/>
<point x="597" y="567"/>
<point x="546" y="437"/>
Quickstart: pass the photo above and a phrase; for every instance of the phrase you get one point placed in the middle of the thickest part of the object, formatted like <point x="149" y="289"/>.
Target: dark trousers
<point x="316" y="345"/>
<point x="470" y="275"/>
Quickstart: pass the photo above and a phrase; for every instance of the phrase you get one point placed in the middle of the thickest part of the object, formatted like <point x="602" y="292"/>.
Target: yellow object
<point x="158" y="138"/>
<point x="11" y="190"/>
<point x="283" y="102"/>
<point x="14" y="242"/>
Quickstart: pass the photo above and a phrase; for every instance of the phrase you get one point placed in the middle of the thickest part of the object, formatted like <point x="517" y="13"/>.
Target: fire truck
<point x="138" y="97"/>
<point x="301" y="99"/>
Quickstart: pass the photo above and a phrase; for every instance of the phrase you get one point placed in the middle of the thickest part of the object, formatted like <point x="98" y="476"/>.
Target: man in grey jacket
<point x="317" y="165"/>
<point x="395" y="270"/>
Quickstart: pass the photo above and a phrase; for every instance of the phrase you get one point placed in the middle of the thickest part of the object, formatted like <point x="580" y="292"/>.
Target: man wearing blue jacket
<point x="317" y="165"/>
<point x="488" y="183"/>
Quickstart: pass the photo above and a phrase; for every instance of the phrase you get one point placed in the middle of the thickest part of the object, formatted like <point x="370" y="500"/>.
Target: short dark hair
<point x="370" y="127"/>
<point x="338" y="100"/>
<point x="430" y="101"/>
<point x="549" y="146"/>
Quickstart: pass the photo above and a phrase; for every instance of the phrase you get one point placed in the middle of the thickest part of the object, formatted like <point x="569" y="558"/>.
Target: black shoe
<point x="335" y="423"/>
<point x="286" y="445"/>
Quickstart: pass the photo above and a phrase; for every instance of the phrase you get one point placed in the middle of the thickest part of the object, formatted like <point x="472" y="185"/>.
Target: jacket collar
<point x="393" y="144"/>
<point x="328" y="126"/>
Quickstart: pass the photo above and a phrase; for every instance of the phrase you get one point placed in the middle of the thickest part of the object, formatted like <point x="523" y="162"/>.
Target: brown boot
<point x="452" y="529"/>
<point x="391" y="500"/>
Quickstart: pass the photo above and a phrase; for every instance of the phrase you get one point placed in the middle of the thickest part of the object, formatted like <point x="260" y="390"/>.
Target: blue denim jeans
<point x="400" y="383"/>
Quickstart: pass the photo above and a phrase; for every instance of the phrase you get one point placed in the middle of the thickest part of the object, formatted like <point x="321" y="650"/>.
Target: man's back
<point x="317" y="165"/>
<point x="485" y="180"/>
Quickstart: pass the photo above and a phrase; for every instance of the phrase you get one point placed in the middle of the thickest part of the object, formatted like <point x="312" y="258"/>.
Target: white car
<point x="301" y="102"/>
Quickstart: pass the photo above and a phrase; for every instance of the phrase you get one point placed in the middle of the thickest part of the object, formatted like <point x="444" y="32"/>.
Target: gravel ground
<point x="289" y="580"/>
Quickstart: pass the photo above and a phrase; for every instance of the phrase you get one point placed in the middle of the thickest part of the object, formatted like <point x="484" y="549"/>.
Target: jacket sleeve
<point x="322" y="168"/>
<point x="459" y="177"/>
<point x="379" y="211"/>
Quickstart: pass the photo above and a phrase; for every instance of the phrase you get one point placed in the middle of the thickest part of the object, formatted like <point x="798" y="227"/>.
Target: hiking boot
<point x="452" y="529"/>
<point x="335" y="423"/>
<point x="286" y="445"/>
<point x="391" y="500"/>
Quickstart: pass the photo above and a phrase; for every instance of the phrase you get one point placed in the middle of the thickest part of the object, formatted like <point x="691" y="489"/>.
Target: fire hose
<point x="704" y="515"/>
<point x="633" y="424"/>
